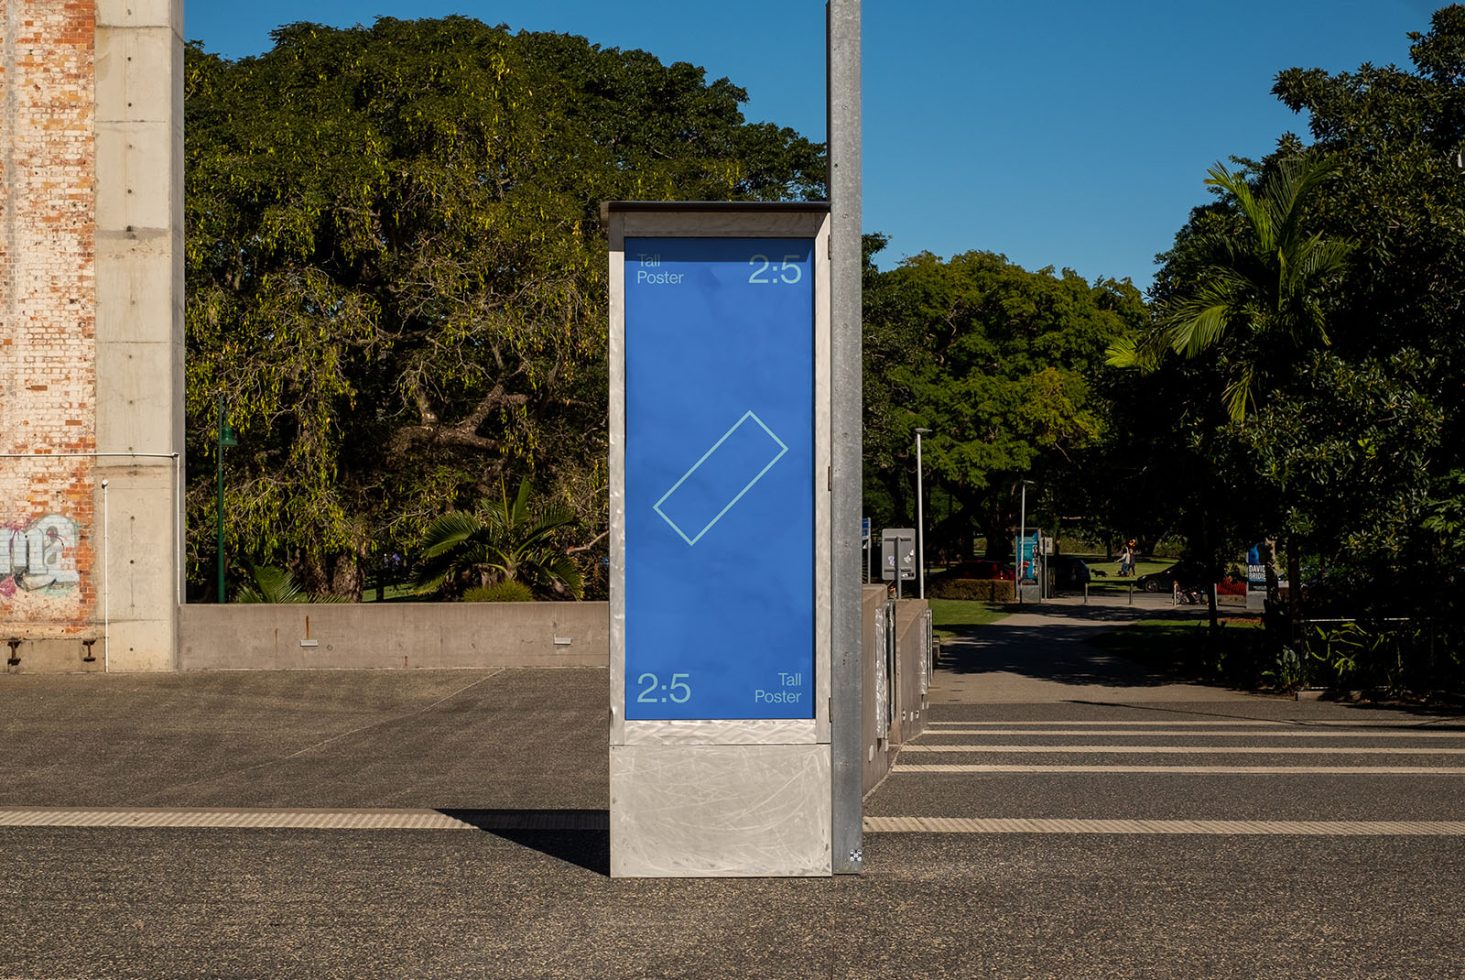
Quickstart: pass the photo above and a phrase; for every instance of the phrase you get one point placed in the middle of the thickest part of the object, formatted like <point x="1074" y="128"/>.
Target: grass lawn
<point x="1110" y="580"/>
<point x="949" y="616"/>
<point x="1183" y="646"/>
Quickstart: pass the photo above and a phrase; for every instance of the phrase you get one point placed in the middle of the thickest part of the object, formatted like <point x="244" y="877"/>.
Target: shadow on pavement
<point x="1049" y="653"/>
<point x="578" y="837"/>
<point x="1110" y="610"/>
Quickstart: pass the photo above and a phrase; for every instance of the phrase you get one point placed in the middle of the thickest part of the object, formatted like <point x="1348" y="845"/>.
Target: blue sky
<point x="1068" y="133"/>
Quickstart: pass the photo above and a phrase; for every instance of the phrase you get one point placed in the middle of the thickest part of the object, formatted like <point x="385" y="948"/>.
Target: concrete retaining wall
<point x="389" y="635"/>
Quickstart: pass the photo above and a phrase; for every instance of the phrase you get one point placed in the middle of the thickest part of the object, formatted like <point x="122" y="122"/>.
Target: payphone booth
<point x="720" y="539"/>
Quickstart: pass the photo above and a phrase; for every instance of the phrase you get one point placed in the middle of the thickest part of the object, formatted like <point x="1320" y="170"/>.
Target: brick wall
<point x="48" y="304"/>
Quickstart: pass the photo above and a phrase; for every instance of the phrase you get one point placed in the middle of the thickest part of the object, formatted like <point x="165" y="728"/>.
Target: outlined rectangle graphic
<point x="718" y="480"/>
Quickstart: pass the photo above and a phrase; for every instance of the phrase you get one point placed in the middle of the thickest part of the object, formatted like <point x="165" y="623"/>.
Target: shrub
<point x="505" y="590"/>
<point x="982" y="589"/>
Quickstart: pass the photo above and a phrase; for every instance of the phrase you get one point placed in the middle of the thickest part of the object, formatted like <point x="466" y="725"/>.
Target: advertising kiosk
<point x="720" y="539"/>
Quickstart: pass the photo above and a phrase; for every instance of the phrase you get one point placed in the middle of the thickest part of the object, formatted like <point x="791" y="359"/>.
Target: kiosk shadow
<point x="578" y="837"/>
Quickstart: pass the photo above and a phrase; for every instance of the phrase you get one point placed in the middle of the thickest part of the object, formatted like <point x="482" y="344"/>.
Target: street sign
<point x="898" y="554"/>
<point x="865" y="531"/>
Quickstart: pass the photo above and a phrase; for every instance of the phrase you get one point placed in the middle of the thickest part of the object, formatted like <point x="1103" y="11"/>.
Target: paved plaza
<point x="1066" y="815"/>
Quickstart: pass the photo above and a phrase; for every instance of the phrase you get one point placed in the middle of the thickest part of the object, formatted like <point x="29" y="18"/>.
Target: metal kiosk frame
<point x="721" y="796"/>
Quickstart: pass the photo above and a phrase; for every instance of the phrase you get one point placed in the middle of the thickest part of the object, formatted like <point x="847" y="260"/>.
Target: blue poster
<point x="719" y="496"/>
<point x="1027" y="558"/>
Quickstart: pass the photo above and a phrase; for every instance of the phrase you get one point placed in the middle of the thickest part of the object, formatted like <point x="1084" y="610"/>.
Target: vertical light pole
<point x="1022" y="537"/>
<point x="226" y="438"/>
<point x="846" y="681"/>
<point x="920" y="520"/>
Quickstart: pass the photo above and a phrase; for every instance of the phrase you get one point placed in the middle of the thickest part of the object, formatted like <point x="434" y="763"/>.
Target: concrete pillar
<point x="139" y="331"/>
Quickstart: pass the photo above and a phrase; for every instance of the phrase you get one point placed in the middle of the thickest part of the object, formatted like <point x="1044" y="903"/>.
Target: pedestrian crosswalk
<point x="1179" y="775"/>
<point x="1322" y="747"/>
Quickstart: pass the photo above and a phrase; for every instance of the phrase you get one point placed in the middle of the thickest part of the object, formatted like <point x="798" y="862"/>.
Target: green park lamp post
<point x="920" y="518"/>
<point x="226" y="438"/>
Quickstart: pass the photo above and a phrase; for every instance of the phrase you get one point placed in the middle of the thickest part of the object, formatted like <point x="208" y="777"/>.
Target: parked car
<point x="1190" y="575"/>
<point x="1069" y="572"/>
<point x="982" y="568"/>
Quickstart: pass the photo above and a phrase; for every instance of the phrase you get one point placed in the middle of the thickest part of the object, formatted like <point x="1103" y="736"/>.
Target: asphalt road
<point x="1049" y="902"/>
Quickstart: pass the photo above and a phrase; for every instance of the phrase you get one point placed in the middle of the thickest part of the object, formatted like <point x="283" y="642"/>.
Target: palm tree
<point x="275" y="585"/>
<point x="500" y="540"/>
<point x="1258" y="302"/>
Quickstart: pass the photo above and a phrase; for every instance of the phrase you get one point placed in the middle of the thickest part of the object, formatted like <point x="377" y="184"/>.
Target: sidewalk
<point x="1040" y="655"/>
<point x="521" y="891"/>
<point x="439" y="739"/>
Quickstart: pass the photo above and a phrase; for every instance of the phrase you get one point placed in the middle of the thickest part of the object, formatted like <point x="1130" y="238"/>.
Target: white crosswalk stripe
<point x="1028" y="825"/>
<point x="1193" y="770"/>
<point x="1195" y="749"/>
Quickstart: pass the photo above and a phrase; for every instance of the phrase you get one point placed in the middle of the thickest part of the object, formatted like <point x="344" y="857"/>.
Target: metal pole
<point x="920" y="521"/>
<point x="847" y="422"/>
<point x="220" y="515"/>
<point x="106" y="579"/>
<point x="1022" y="540"/>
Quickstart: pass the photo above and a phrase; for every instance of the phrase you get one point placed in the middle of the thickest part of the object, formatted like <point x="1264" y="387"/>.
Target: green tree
<point x="1255" y="304"/>
<point x="501" y="540"/>
<point x="1000" y="363"/>
<point x="1258" y="304"/>
<point x="1343" y="417"/>
<point x="1396" y="133"/>
<point x="396" y="271"/>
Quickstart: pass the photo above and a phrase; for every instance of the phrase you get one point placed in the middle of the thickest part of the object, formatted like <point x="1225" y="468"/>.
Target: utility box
<point x="898" y="554"/>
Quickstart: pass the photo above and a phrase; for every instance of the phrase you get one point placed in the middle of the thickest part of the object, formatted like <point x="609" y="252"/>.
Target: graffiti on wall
<point x="38" y="559"/>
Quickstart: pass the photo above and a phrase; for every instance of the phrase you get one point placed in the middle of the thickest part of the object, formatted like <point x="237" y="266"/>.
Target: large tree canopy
<point x="396" y="272"/>
<point x="1351" y="451"/>
<point x="1000" y="363"/>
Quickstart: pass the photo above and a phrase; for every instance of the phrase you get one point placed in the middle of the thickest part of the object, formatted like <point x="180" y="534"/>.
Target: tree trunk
<point x="1269" y="557"/>
<point x="312" y="576"/>
<point x="346" y="578"/>
<point x="1209" y="553"/>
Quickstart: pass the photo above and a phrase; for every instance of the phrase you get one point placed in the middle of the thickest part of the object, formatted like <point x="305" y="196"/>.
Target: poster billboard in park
<point x="719" y="486"/>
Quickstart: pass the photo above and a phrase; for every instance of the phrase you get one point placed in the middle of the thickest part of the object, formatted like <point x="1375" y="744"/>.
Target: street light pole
<point x="920" y="520"/>
<point x="847" y="632"/>
<point x="1022" y="537"/>
<point x="225" y="438"/>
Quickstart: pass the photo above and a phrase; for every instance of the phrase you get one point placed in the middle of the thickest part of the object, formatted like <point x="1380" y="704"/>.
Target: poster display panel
<point x="719" y="478"/>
